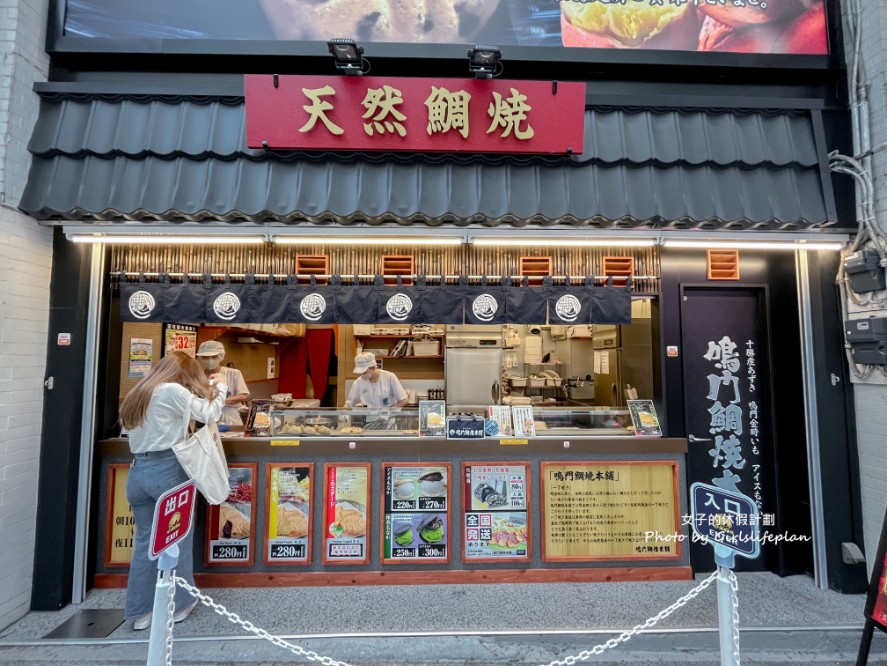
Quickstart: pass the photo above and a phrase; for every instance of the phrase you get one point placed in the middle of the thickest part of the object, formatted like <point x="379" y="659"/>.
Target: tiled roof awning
<point x="131" y="159"/>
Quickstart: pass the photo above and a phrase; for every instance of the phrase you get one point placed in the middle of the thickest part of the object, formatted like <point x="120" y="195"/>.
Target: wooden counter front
<point x="564" y="455"/>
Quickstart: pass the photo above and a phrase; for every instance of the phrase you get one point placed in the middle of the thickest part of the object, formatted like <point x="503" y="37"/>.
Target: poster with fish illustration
<point x="496" y="522"/>
<point x="231" y="525"/>
<point x="289" y="513"/>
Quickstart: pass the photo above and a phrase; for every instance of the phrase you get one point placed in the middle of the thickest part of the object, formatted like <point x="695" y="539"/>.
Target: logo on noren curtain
<point x="568" y="307"/>
<point x="399" y="307"/>
<point x="484" y="307"/>
<point x="227" y="305"/>
<point x="141" y="304"/>
<point x="313" y="306"/>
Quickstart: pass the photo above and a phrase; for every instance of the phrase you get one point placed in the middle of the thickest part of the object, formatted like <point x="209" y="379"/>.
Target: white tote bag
<point x="202" y="457"/>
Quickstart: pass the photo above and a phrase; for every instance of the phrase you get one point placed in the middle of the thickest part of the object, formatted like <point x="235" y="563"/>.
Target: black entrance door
<point x="729" y="411"/>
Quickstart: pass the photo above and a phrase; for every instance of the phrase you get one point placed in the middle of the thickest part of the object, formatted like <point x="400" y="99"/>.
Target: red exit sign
<point x="173" y="517"/>
<point x="368" y="113"/>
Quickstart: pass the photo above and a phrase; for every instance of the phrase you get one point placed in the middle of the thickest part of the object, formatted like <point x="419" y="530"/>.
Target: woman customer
<point x="154" y="414"/>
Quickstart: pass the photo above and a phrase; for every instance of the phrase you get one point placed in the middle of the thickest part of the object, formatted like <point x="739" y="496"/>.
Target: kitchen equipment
<point x="473" y="374"/>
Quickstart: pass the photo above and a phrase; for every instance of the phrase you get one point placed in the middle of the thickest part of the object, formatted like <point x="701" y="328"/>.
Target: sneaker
<point x="185" y="612"/>
<point x="142" y="622"/>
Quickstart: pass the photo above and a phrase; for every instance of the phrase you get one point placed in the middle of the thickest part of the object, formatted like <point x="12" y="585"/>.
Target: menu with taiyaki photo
<point x="522" y="418"/>
<point x="345" y="503"/>
<point x="289" y="513"/>
<point x="432" y="418"/>
<point x="230" y="526"/>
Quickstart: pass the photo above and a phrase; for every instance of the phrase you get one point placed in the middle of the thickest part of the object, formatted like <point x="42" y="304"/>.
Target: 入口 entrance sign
<point x="367" y="113"/>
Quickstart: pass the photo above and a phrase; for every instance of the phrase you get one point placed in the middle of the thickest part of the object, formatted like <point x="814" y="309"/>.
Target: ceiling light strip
<point x="753" y="245"/>
<point x="154" y="239"/>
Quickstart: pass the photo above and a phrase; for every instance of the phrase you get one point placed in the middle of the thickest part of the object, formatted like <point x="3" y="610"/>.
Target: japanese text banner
<point x="368" y="113"/>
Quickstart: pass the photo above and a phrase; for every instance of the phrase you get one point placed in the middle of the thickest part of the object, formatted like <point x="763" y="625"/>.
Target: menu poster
<point x="495" y="497"/>
<point x="415" y="513"/>
<point x="644" y="419"/>
<point x="289" y="514"/>
<point x="180" y="337"/>
<point x="346" y="500"/>
<point x="141" y="351"/>
<point x="121" y="524"/>
<point x="230" y="526"/>
<point x="524" y="423"/>
<point x="499" y="422"/>
<point x="432" y="418"/>
<point x="605" y="510"/>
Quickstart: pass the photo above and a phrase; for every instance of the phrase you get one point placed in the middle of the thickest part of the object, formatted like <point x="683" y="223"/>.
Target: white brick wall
<point x="871" y="395"/>
<point x="25" y="261"/>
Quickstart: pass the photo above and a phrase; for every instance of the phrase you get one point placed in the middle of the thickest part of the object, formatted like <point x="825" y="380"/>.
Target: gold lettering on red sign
<point x="318" y="108"/>
<point x="447" y="110"/>
<point x="509" y="114"/>
<point x="382" y="102"/>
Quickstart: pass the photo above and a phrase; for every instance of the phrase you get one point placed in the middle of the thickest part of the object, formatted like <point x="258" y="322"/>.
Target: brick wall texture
<point x="25" y="261"/>
<point x="871" y="395"/>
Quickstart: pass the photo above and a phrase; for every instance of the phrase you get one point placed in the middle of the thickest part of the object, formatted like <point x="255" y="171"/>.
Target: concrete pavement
<point x="783" y="621"/>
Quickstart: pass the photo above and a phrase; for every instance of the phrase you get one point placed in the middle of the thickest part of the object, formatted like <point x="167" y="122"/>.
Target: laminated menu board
<point x="231" y="525"/>
<point x="345" y="512"/>
<point x="432" y="418"/>
<point x="499" y="421"/>
<point x="495" y="496"/>
<point x="606" y="509"/>
<point x="524" y="423"/>
<point x="289" y="515"/>
<point x="643" y="418"/>
<point x="120" y="523"/>
<point x="415" y="513"/>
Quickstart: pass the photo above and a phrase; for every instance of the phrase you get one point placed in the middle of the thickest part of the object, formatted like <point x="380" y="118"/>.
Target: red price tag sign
<point x="173" y="517"/>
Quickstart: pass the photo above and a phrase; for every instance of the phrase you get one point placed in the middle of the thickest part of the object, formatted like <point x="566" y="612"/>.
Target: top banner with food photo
<point x="732" y="26"/>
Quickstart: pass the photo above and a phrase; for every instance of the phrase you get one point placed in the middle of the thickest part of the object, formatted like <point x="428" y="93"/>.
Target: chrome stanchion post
<point x="727" y="628"/>
<point x="159" y="643"/>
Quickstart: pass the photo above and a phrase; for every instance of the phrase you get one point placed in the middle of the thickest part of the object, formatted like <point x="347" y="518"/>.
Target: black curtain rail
<point x="410" y="276"/>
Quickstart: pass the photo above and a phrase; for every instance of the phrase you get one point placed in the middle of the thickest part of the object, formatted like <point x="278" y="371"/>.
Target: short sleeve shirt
<point x="377" y="395"/>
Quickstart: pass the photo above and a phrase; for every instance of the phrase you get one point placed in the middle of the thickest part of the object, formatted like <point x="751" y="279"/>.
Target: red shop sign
<point x="369" y="113"/>
<point x="173" y="517"/>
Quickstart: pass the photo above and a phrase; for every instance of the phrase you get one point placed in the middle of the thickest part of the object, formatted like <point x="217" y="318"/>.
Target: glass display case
<point x="333" y="422"/>
<point x="609" y="421"/>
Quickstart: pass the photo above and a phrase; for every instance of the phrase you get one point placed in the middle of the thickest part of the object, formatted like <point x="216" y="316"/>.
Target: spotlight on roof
<point x="485" y="61"/>
<point x="347" y="55"/>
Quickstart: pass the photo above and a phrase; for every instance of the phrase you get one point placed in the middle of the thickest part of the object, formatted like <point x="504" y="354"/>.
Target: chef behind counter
<point x="210" y="355"/>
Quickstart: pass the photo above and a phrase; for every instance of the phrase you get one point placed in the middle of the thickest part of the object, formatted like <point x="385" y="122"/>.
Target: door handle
<point x="494" y="392"/>
<point x="693" y="438"/>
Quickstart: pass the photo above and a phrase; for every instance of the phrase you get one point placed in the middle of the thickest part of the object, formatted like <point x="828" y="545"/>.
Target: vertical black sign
<point x="727" y="401"/>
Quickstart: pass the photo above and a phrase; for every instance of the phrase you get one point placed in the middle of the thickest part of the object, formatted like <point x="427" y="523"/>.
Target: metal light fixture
<point x="347" y="55"/>
<point x="485" y="62"/>
<point x="754" y="245"/>
<point x="368" y="240"/>
<point x="158" y="239"/>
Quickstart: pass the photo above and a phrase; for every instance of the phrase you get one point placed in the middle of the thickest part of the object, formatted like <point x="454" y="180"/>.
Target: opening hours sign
<point x="368" y="113"/>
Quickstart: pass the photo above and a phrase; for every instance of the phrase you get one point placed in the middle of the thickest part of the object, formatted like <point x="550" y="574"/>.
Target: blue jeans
<point x="151" y="475"/>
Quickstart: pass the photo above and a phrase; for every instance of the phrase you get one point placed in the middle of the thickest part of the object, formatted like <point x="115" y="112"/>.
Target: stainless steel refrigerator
<point x="473" y="372"/>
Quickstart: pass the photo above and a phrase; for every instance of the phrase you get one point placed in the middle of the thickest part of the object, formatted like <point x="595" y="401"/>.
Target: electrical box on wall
<point x="865" y="272"/>
<point x="868" y="340"/>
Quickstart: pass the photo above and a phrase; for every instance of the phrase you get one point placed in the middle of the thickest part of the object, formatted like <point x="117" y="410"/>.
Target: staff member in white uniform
<point x="375" y="388"/>
<point x="210" y="355"/>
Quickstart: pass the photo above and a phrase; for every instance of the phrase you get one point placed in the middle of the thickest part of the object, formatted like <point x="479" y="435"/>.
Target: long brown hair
<point x="174" y="368"/>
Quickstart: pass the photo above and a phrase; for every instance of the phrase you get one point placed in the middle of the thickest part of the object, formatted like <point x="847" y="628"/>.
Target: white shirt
<point x="164" y="423"/>
<point x="236" y="385"/>
<point x="376" y="395"/>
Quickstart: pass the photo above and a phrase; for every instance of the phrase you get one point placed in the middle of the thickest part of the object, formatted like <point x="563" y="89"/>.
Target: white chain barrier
<point x="253" y="629"/>
<point x="634" y="631"/>
<point x="734" y="598"/>
<point x="566" y="661"/>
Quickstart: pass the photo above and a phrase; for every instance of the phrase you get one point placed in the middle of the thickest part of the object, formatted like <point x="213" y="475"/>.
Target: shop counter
<point x="409" y="510"/>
